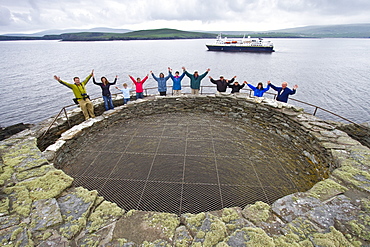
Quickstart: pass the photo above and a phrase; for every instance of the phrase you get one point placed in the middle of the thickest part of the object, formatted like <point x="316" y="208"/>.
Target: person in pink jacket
<point x="139" y="86"/>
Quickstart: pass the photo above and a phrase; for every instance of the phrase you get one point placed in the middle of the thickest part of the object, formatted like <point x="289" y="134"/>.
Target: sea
<point x="333" y="74"/>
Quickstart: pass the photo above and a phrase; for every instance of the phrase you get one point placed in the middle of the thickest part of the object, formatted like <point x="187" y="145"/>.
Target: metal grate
<point x="185" y="163"/>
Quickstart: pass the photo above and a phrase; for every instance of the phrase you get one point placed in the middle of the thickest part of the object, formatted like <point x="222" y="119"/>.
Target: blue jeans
<point x="126" y="100"/>
<point x="108" y="104"/>
<point x="139" y="96"/>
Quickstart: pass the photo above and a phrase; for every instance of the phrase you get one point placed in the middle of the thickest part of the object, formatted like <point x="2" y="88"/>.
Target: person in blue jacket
<point x="162" y="83"/>
<point x="195" y="80"/>
<point x="259" y="90"/>
<point x="176" y="88"/>
<point x="283" y="91"/>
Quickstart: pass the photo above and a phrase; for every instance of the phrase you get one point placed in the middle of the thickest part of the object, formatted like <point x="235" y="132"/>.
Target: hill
<point x="163" y="33"/>
<point x="331" y="31"/>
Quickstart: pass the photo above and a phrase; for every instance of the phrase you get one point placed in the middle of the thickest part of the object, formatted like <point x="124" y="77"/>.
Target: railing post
<point x="65" y="113"/>
<point x="201" y="89"/>
<point x="314" y="113"/>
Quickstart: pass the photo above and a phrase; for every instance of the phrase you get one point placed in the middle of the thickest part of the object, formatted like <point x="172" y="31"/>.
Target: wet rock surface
<point x="39" y="205"/>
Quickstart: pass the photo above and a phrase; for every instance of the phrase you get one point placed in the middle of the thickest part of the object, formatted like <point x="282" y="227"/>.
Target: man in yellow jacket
<point x="79" y="91"/>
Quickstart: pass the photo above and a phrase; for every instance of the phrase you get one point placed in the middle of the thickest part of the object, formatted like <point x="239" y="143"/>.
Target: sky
<point x="30" y="16"/>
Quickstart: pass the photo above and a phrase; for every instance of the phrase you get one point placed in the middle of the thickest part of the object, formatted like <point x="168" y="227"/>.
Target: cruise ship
<point x="241" y="45"/>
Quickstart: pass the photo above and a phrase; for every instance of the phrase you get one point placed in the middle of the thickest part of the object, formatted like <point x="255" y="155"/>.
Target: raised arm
<point x="273" y="87"/>
<point x="63" y="82"/>
<point x="145" y="78"/>
<point x="232" y="80"/>
<point x="154" y="77"/>
<point x="133" y="79"/>
<point x="204" y="74"/>
<point x="115" y="80"/>
<point x="267" y="88"/>
<point x="87" y="78"/>
<point x="95" y="81"/>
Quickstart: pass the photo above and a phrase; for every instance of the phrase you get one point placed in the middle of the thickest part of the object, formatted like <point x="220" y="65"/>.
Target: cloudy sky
<point x="29" y="16"/>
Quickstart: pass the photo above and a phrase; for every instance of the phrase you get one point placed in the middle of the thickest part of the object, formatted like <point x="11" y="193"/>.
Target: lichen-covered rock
<point x="260" y="214"/>
<point x="104" y="214"/>
<point x="182" y="237"/>
<point x="20" y="200"/>
<point x="233" y="219"/>
<point x="48" y="186"/>
<point x="75" y="208"/>
<point x="51" y="238"/>
<point x="333" y="238"/>
<point x="295" y="205"/>
<point x="206" y="229"/>
<point x="354" y="177"/>
<point x="301" y="227"/>
<point x="97" y="238"/>
<point x="339" y="208"/>
<point x="45" y="213"/>
<point x="248" y="236"/>
<point x="8" y="221"/>
<point x="139" y="226"/>
<point x="35" y="172"/>
<point x="359" y="226"/>
<point x="326" y="189"/>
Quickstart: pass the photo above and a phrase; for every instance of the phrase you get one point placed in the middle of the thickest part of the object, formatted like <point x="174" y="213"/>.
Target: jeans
<point x="108" y="104"/>
<point x="126" y="100"/>
<point x="139" y="96"/>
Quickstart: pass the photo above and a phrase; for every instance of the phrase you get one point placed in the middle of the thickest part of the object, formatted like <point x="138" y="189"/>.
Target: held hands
<point x="245" y="82"/>
<point x="210" y="77"/>
<point x="234" y="77"/>
<point x="208" y="69"/>
<point x="183" y="68"/>
<point x="57" y="78"/>
<point x="269" y="82"/>
<point x="92" y="72"/>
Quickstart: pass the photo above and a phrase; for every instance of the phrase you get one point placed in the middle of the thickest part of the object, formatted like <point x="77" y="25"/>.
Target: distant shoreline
<point x="171" y="34"/>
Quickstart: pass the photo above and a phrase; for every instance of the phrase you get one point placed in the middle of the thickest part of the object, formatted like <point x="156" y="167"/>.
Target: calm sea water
<point x="331" y="73"/>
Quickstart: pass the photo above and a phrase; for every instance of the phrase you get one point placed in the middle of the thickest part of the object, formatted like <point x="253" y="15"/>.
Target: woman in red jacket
<point x="139" y="86"/>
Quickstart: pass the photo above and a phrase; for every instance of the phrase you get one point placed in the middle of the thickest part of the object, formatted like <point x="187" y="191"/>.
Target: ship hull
<point x="240" y="48"/>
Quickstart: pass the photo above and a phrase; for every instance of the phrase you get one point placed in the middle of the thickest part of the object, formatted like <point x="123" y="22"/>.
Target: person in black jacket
<point x="235" y="87"/>
<point x="105" y="84"/>
<point x="222" y="83"/>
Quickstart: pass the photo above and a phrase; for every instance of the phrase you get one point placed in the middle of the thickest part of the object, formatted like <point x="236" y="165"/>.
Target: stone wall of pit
<point x="40" y="207"/>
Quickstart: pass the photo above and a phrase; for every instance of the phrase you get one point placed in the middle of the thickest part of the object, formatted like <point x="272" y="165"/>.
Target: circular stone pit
<point x="194" y="155"/>
<point x="188" y="163"/>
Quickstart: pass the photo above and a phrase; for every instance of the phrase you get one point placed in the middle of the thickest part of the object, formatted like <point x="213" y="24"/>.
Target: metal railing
<point x="201" y="91"/>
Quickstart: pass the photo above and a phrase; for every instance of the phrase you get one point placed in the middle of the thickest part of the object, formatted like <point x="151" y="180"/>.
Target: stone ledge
<point x="38" y="206"/>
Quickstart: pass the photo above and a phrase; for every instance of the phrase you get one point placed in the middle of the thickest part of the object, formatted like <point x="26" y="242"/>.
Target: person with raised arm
<point x="195" y="80"/>
<point x="126" y="93"/>
<point x="107" y="97"/>
<point x="176" y="79"/>
<point x="222" y="83"/>
<point x="259" y="90"/>
<point x="81" y="96"/>
<point x="139" y="86"/>
<point x="283" y="91"/>
<point x="235" y="87"/>
<point x="162" y="83"/>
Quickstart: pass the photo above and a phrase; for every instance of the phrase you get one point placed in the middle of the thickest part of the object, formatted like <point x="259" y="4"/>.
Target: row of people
<point x="82" y="98"/>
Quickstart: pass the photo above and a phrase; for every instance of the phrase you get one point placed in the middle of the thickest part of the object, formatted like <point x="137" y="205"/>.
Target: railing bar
<point x="201" y="92"/>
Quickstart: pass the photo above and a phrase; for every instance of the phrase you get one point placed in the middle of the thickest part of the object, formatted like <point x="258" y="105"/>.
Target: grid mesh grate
<point x="184" y="163"/>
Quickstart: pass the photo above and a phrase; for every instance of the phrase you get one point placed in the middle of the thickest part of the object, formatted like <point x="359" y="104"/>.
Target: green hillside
<point x="163" y="33"/>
